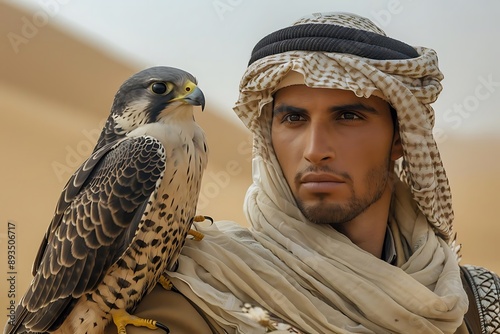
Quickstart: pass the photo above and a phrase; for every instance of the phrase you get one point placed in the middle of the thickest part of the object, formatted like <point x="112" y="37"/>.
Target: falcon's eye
<point x="159" y="88"/>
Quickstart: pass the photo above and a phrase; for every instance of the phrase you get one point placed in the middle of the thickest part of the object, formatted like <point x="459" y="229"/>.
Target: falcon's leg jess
<point x="122" y="318"/>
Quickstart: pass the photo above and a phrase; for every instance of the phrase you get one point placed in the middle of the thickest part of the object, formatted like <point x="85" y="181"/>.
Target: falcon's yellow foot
<point x="165" y="283"/>
<point x="122" y="318"/>
<point x="196" y="235"/>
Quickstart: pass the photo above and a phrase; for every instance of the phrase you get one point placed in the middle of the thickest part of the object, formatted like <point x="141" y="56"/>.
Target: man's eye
<point x="349" y="116"/>
<point x="292" y="118"/>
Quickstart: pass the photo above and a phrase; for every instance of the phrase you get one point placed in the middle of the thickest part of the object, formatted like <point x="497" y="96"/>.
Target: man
<point x="350" y="206"/>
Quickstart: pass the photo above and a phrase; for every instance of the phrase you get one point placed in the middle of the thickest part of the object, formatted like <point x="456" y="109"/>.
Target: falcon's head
<point x="156" y="94"/>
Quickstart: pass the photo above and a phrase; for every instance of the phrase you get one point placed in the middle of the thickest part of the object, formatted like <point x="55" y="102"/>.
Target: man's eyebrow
<point x="354" y="107"/>
<point x="287" y="108"/>
<point x="361" y="107"/>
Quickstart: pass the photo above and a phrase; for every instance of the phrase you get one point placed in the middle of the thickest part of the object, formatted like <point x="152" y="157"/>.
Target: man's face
<point x="335" y="150"/>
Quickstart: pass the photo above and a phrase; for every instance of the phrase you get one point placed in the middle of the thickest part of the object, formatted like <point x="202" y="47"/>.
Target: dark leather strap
<point x="472" y="317"/>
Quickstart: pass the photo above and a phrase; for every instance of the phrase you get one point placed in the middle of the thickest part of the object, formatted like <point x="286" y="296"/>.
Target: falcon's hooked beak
<point x="192" y="95"/>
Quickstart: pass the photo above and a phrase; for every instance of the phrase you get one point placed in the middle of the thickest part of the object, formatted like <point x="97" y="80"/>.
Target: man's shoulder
<point x="483" y="287"/>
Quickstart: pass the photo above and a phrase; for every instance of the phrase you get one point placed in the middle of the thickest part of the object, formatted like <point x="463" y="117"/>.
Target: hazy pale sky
<point x="213" y="39"/>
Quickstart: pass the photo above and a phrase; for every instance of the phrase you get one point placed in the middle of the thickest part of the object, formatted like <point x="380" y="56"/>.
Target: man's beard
<point x="336" y="213"/>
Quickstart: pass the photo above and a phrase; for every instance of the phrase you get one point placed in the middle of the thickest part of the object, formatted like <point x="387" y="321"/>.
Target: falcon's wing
<point x="70" y="191"/>
<point x="96" y="217"/>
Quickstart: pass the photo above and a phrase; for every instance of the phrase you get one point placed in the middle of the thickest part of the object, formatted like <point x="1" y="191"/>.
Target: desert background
<point x="58" y="79"/>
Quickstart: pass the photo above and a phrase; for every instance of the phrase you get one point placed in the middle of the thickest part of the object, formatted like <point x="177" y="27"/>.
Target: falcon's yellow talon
<point x="165" y="283"/>
<point x="122" y="318"/>
<point x="199" y="218"/>
<point x="196" y="235"/>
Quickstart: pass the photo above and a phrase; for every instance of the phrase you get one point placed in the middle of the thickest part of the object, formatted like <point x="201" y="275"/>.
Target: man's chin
<point x="325" y="213"/>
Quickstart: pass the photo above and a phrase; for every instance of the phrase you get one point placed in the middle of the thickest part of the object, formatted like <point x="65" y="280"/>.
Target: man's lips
<point x="320" y="177"/>
<point x="320" y="183"/>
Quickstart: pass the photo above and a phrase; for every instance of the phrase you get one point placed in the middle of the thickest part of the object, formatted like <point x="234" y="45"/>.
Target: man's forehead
<point x="302" y="95"/>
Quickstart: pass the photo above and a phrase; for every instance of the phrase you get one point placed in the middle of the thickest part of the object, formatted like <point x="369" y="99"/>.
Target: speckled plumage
<point x="123" y="216"/>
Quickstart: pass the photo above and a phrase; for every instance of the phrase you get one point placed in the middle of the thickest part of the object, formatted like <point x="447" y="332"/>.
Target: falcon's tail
<point x="17" y="325"/>
<point x="45" y="320"/>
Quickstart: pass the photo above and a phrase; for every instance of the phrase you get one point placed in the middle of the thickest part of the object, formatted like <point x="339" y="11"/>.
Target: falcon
<point x="123" y="216"/>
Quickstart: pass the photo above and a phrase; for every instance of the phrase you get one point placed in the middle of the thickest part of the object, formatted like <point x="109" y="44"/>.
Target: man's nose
<point x="319" y="143"/>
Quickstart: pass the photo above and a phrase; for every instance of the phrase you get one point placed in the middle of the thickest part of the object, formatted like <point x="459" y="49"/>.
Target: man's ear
<point x="397" y="147"/>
